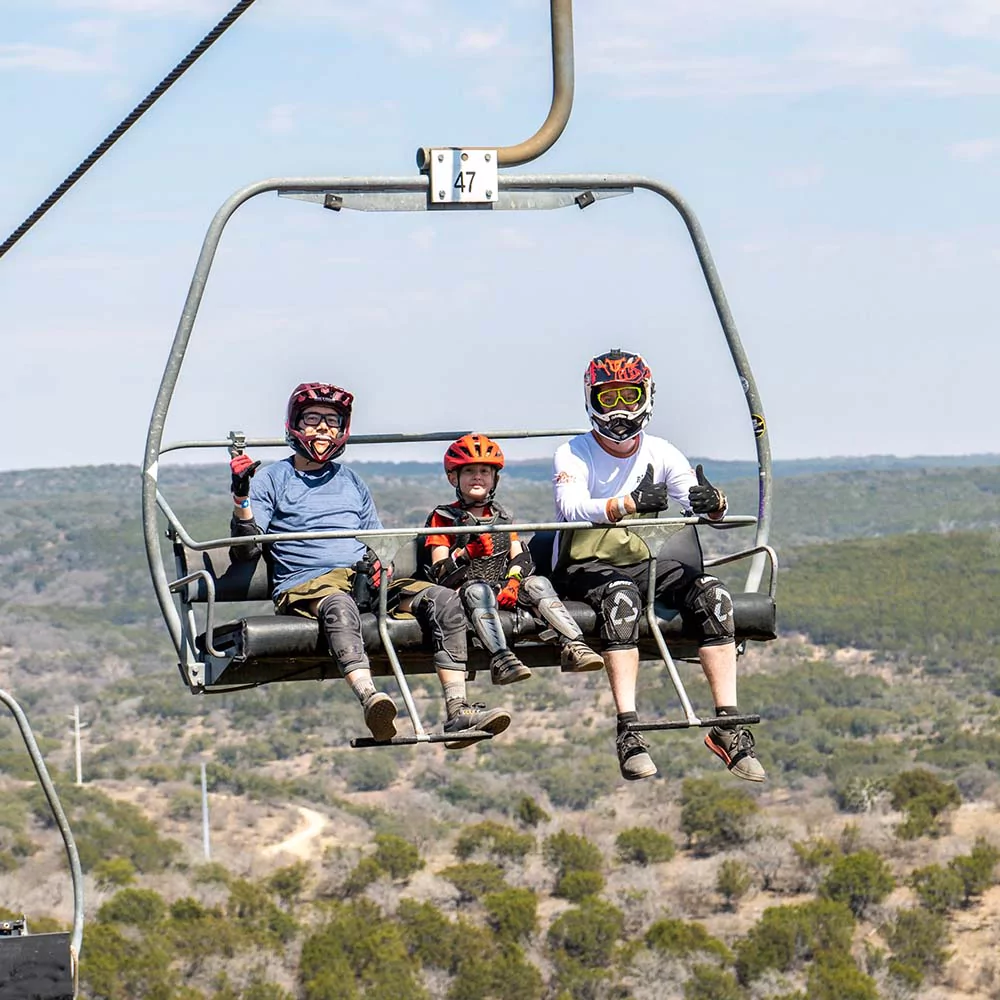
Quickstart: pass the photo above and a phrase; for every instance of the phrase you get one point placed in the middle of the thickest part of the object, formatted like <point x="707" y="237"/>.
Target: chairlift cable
<point x="134" y="115"/>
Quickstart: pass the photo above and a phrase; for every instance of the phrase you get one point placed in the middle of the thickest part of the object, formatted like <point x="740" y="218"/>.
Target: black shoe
<point x="475" y="717"/>
<point x="380" y="716"/>
<point x="506" y="668"/>
<point x="634" y="761"/>
<point x="735" y="748"/>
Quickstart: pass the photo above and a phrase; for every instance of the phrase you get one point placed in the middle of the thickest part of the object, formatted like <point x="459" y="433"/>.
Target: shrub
<point x="678" y="937"/>
<point x="502" y="842"/>
<point x="397" y="857"/>
<point x="577" y="886"/>
<point x="133" y="906"/>
<point x="288" y="883"/>
<point x="733" y="881"/>
<point x="587" y="934"/>
<point x="976" y="870"/>
<point x="836" y="977"/>
<point x="860" y="880"/>
<point x="530" y="813"/>
<point x="512" y="913"/>
<point x="642" y="845"/>
<point x="924" y="798"/>
<point x="708" y="982"/>
<point x="118" y="872"/>
<point x="473" y="880"/>
<point x="714" y="816"/>
<point x="938" y="889"/>
<point x="917" y="938"/>
<point x="566" y="852"/>
<point x="364" y="873"/>
<point x="371" y="772"/>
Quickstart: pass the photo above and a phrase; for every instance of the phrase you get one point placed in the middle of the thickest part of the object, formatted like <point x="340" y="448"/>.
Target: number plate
<point x="463" y="176"/>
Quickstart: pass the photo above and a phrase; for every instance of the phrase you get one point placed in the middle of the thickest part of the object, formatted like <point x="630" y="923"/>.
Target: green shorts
<point x="297" y="600"/>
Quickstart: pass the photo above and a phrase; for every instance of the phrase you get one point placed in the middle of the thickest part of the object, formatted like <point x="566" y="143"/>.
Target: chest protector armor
<point x="492" y="569"/>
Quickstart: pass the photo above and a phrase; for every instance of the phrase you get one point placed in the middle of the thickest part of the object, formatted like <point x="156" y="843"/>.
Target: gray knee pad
<point x="619" y="610"/>
<point x="341" y="621"/>
<point x="711" y="609"/>
<point x="440" y="614"/>
<point x="538" y="594"/>
<point x="480" y="604"/>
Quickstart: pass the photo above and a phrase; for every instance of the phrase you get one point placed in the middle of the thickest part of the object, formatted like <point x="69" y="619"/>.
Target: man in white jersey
<point x="618" y="471"/>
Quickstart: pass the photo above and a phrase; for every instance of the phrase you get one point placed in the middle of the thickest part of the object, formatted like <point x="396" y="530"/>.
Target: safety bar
<point x="203" y="574"/>
<point x="772" y="558"/>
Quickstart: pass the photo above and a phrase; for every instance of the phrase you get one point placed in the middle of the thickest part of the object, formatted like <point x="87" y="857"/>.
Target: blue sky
<point x="843" y="158"/>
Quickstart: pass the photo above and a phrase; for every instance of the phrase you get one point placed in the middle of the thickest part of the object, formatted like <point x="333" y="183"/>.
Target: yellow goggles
<point x="627" y="395"/>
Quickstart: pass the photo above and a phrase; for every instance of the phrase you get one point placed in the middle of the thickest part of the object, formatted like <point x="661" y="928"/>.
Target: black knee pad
<point x="341" y="621"/>
<point x="619" y="610"/>
<point x="442" y="618"/>
<point x="709" y="607"/>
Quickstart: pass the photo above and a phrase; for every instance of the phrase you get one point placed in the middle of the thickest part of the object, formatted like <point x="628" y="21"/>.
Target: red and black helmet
<point x="474" y="449"/>
<point x="307" y="394"/>
<point x="622" y="368"/>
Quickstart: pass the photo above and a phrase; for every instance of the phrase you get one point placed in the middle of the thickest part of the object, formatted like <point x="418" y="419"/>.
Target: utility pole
<point x="204" y="814"/>
<point x="76" y="737"/>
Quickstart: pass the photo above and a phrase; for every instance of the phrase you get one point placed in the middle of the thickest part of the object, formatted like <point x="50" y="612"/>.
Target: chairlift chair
<point x="262" y="649"/>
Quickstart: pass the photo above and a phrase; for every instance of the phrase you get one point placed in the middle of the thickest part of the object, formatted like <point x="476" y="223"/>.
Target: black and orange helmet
<point x="318" y="392"/>
<point x="621" y="419"/>
<point x="473" y="449"/>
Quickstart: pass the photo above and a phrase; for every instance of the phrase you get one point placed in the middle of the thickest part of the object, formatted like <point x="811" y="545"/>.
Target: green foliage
<point x="397" y="857"/>
<point x="473" y="879"/>
<point x="117" y="872"/>
<point x="289" y="883"/>
<point x="733" y="881"/>
<point x="680" y="937"/>
<point x="859" y="880"/>
<point x="529" y="813"/>
<point x="714" y="816"/>
<point x="924" y="798"/>
<point x="567" y="852"/>
<point x="371" y="772"/>
<point x="512" y="913"/>
<point x="488" y="973"/>
<point x="365" y="873"/>
<point x="429" y="935"/>
<point x="976" y="870"/>
<point x="250" y="907"/>
<point x="499" y="841"/>
<point x="836" y="977"/>
<point x="787" y="937"/>
<point x="133" y="906"/>
<point x="918" y="940"/>
<point x="117" y="966"/>
<point x="576" y="886"/>
<point x="586" y="934"/>
<point x="185" y="804"/>
<point x="642" y="845"/>
<point x="358" y="953"/>
<point x="708" y="982"/>
<point x="938" y="889"/>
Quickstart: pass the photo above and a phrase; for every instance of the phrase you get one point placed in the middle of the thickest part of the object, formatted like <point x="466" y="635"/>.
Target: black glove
<point x="705" y="498"/>
<point x="649" y="496"/>
<point x="242" y="468"/>
<point x="367" y="578"/>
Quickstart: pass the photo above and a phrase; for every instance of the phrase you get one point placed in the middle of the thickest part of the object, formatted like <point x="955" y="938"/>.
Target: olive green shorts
<point x="298" y="600"/>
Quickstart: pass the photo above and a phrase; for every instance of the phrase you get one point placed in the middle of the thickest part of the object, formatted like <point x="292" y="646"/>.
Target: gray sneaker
<point x="380" y="716"/>
<point x="634" y="761"/>
<point x="506" y="668"/>
<point x="475" y="717"/>
<point x="735" y="748"/>
<point x="576" y="657"/>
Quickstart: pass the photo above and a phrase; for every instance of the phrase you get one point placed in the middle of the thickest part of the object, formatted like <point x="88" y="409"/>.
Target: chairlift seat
<point x="261" y="648"/>
<point x="36" y="967"/>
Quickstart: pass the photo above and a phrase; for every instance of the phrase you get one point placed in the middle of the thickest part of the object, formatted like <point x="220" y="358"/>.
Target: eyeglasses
<point x="314" y="419"/>
<point x="627" y="395"/>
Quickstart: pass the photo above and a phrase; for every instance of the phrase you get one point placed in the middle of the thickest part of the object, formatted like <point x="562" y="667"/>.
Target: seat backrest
<point x="234" y="581"/>
<point x="540" y="546"/>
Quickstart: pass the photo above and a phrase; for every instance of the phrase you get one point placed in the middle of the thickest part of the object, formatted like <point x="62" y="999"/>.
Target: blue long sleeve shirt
<point x="333" y="498"/>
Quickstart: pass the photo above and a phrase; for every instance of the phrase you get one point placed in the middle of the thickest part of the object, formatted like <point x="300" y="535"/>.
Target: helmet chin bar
<point x="303" y="446"/>
<point x="619" y="427"/>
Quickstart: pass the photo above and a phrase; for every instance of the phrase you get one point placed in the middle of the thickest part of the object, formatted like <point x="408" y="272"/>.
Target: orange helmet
<point x="473" y="449"/>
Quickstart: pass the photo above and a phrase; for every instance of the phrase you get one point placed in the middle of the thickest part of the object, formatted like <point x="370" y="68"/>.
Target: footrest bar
<point x="466" y="736"/>
<point x="725" y="720"/>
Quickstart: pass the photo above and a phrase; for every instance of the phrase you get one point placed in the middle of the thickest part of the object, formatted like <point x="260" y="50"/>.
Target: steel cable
<point x="134" y="115"/>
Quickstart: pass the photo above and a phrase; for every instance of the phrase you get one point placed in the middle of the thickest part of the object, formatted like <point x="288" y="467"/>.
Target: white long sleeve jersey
<point x="585" y="476"/>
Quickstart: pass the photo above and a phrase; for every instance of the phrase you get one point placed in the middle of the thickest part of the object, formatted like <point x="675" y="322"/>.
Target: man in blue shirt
<point x="315" y="578"/>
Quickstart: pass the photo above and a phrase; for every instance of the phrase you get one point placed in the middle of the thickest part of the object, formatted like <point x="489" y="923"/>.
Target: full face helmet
<point x="618" y="413"/>
<point x="306" y="395"/>
<point x="473" y="449"/>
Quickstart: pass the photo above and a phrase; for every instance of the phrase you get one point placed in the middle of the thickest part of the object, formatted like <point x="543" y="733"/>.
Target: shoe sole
<point x="381" y="720"/>
<point x="727" y="760"/>
<point x="496" y="722"/>
<point x="588" y="666"/>
<point x="646" y="772"/>
<point x="512" y="677"/>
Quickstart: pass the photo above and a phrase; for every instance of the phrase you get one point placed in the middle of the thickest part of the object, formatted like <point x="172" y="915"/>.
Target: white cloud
<point x="975" y="150"/>
<point x="282" y="119"/>
<point x="48" y="59"/>
<point x="479" y="40"/>
<point x="807" y="175"/>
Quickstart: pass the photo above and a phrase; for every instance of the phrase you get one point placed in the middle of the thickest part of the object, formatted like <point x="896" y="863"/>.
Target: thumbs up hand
<point x="648" y="496"/>
<point x="705" y="498"/>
